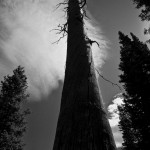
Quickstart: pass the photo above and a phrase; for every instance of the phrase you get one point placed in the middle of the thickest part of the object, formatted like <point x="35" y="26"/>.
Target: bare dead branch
<point x="114" y="84"/>
<point x="58" y="5"/>
<point x="61" y="29"/>
<point x="56" y="42"/>
<point x="91" y="41"/>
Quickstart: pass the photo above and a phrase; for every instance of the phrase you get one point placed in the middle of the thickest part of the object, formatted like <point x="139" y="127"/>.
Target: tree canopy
<point x="145" y="11"/>
<point x="12" y="114"/>
<point x="134" y="113"/>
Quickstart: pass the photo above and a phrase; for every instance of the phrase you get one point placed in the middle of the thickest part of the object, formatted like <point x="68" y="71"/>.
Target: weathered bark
<point x="82" y="123"/>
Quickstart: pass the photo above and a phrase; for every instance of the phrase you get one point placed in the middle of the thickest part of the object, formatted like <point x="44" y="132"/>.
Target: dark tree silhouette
<point x="145" y="11"/>
<point x="135" y="112"/>
<point x="12" y="115"/>
<point x="82" y="122"/>
<point x="144" y="5"/>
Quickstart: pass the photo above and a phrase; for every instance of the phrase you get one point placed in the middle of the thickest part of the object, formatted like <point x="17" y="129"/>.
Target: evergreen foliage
<point x="144" y="5"/>
<point x="135" y="113"/>
<point x="145" y="11"/>
<point x="12" y="115"/>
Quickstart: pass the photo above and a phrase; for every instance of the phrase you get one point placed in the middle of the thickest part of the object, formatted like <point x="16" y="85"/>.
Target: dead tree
<point x="82" y="122"/>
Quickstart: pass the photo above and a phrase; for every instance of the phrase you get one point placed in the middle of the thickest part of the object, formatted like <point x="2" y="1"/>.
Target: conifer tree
<point x="145" y="11"/>
<point x="82" y="123"/>
<point x="144" y="5"/>
<point x="135" y="113"/>
<point x="12" y="115"/>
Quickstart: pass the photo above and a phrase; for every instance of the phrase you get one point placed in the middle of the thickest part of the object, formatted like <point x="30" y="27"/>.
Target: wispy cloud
<point x="26" y="39"/>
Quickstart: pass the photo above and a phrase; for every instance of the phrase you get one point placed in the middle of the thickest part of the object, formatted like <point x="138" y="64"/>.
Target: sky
<point x="26" y="38"/>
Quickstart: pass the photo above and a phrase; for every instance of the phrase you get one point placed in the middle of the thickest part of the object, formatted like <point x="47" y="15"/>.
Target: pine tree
<point x="12" y="115"/>
<point x="144" y="5"/>
<point x="82" y="122"/>
<point x="135" y="113"/>
<point x="145" y="11"/>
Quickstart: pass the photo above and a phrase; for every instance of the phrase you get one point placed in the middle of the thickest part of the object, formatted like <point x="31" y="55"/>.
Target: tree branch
<point x="91" y="41"/>
<point x="63" y="29"/>
<point x="58" y="5"/>
<point x="114" y="84"/>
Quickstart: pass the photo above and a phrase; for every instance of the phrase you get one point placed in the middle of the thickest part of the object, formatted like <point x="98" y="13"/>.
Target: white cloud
<point x="25" y="39"/>
<point x="112" y="109"/>
<point x="118" y="144"/>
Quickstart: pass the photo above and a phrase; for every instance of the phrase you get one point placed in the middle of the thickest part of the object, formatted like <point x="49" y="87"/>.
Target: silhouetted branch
<point x="114" y="84"/>
<point x="91" y="41"/>
<point x="63" y="29"/>
<point x="58" y="5"/>
<point x="60" y="39"/>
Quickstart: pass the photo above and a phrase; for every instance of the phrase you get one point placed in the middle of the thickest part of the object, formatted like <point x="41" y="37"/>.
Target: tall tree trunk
<point x="82" y="123"/>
